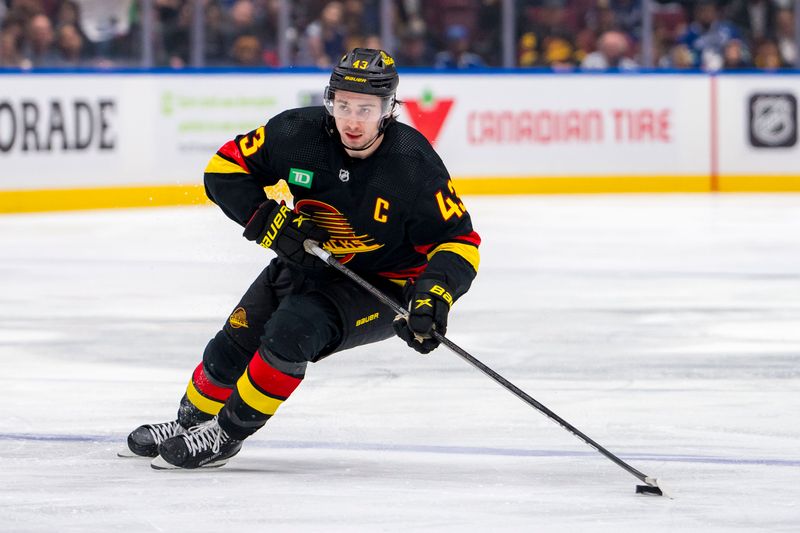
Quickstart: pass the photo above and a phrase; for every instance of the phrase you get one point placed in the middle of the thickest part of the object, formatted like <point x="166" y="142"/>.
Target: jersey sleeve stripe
<point x="230" y="151"/>
<point x="413" y="272"/>
<point x="220" y="165"/>
<point x="467" y="251"/>
<point x="472" y="238"/>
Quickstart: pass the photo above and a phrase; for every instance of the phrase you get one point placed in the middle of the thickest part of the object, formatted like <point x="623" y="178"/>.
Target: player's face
<point x="357" y="117"/>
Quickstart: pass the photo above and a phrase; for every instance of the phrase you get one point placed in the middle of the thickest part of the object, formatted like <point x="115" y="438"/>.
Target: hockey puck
<point x="647" y="489"/>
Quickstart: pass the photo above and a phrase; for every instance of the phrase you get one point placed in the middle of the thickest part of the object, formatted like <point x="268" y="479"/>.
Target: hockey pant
<point x="283" y="322"/>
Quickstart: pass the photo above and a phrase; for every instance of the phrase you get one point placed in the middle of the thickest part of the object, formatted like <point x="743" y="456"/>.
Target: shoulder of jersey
<point x="408" y="136"/>
<point x="412" y="147"/>
<point x="296" y="121"/>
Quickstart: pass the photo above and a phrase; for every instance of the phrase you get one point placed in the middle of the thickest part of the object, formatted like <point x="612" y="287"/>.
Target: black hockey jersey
<point x="394" y="214"/>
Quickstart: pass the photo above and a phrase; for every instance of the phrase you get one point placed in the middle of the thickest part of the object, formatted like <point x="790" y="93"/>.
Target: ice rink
<point x="666" y="327"/>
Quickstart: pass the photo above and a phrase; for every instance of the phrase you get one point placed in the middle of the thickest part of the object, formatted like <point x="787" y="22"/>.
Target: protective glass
<point x="360" y="107"/>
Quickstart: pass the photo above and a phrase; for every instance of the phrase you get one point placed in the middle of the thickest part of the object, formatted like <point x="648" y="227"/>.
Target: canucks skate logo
<point x="344" y="175"/>
<point x="344" y="242"/>
<point x="239" y="318"/>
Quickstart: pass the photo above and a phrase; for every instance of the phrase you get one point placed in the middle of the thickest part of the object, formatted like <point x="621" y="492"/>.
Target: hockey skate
<point x="144" y="440"/>
<point x="203" y="446"/>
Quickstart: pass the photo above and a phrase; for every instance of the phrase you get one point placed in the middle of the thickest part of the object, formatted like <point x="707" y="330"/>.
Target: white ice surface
<point x="666" y="327"/>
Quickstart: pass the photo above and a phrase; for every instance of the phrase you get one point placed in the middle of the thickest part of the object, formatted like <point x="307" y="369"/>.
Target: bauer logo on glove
<point x="427" y="311"/>
<point x="277" y="227"/>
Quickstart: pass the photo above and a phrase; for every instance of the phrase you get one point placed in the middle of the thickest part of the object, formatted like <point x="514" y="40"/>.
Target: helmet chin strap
<point x="381" y="129"/>
<point x="365" y="147"/>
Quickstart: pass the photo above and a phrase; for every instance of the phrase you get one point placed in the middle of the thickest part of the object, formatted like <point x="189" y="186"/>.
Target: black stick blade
<point x="647" y="489"/>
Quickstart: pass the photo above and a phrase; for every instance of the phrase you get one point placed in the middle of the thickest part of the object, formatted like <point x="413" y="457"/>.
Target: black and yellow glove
<point x="275" y="226"/>
<point x="427" y="311"/>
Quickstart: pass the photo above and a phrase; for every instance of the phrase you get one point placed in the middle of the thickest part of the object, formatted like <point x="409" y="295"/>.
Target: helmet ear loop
<point x="388" y="117"/>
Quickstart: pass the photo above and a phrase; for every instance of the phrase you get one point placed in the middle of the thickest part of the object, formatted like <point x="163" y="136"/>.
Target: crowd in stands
<point x="446" y="34"/>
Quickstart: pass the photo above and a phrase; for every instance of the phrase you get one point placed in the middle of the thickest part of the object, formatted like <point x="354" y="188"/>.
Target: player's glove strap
<point x="427" y="311"/>
<point x="275" y="226"/>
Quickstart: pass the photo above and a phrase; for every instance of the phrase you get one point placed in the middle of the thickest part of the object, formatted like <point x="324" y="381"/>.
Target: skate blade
<point x="127" y="454"/>
<point x="160" y="464"/>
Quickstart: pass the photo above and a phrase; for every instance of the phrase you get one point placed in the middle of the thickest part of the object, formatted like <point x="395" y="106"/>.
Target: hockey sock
<point x="206" y="396"/>
<point x="258" y="394"/>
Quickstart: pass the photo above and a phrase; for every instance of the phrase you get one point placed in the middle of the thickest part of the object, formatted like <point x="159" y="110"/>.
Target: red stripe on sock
<point x="208" y="389"/>
<point x="271" y="380"/>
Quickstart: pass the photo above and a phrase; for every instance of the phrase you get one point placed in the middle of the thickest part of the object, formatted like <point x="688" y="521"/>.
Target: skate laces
<point x="205" y="436"/>
<point x="165" y="430"/>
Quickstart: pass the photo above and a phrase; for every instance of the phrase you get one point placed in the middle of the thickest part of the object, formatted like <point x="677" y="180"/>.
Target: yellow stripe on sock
<point x="255" y="398"/>
<point x="201" y="402"/>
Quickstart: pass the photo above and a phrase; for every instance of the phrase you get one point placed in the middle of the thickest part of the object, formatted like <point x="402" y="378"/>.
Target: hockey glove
<point x="277" y="227"/>
<point x="427" y="311"/>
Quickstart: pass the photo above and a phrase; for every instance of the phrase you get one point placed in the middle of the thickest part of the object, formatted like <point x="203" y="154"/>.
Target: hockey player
<point x="376" y="195"/>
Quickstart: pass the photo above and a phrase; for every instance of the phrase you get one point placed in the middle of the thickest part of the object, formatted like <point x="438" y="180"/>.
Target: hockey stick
<point x="651" y="484"/>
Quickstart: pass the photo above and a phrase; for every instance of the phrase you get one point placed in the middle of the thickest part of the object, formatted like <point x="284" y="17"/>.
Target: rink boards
<point x="87" y="140"/>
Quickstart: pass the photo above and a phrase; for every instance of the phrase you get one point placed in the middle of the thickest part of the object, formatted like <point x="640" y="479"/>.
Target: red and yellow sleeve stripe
<point x="465" y="246"/>
<point x="228" y="160"/>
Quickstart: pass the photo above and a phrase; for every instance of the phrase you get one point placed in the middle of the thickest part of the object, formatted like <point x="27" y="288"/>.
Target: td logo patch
<point x="773" y="120"/>
<point x="300" y="177"/>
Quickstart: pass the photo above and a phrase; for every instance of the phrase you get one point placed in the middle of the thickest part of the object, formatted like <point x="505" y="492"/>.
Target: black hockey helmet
<point x="366" y="71"/>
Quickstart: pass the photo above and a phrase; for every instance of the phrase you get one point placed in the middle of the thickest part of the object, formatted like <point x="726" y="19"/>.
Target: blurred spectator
<point x="679" y="57"/>
<point x="784" y="35"/>
<point x="488" y="34"/>
<point x="669" y="23"/>
<point x="67" y="13"/>
<point x="547" y="38"/>
<point x="247" y="51"/>
<point x="612" y="50"/>
<point x="358" y="40"/>
<point x="272" y="31"/>
<point x="24" y="10"/>
<point x="585" y="43"/>
<point x="242" y="20"/>
<point x="619" y="15"/>
<point x="175" y="20"/>
<point x="439" y="15"/>
<point x="70" y="46"/>
<point x="768" y="57"/>
<point x="215" y="49"/>
<point x="106" y="24"/>
<point x="323" y="41"/>
<point x="40" y="40"/>
<point x="414" y="50"/>
<point x="353" y="17"/>
<point x="736" y="56"/>
<point x="708" y="34"/>
<point x="10" y="39"/>
<point x="753" y="17"/>
<point x="727" y="34"/>
<point x="457" y="54"/>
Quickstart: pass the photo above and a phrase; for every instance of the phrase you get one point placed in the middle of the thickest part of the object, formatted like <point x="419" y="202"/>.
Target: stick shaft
<point x="516" y="391"/>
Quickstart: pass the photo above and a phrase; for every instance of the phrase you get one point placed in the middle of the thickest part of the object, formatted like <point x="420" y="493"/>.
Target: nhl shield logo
<point x="344" y="175"/>
<point x="773" y="120"/>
